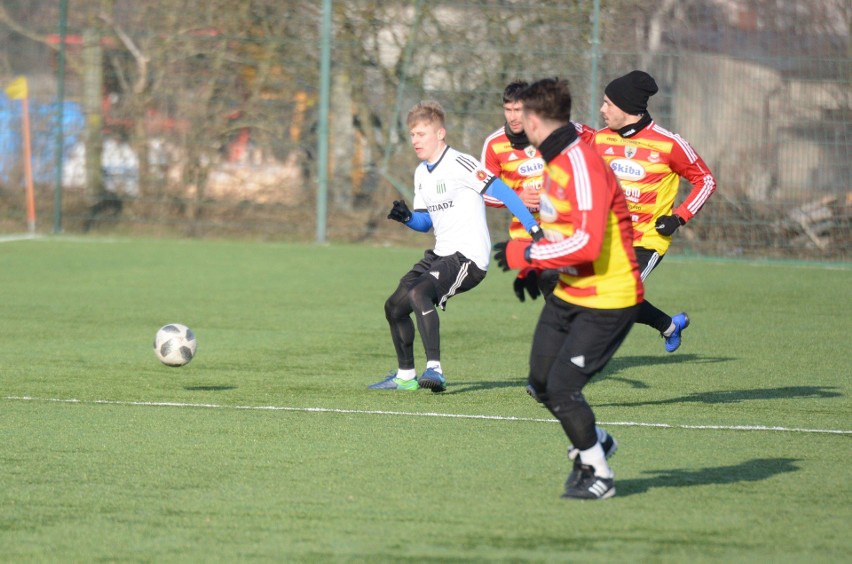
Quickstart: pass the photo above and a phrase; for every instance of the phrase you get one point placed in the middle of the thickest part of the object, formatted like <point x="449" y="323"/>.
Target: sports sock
<point x="668" y="332"/>
<point x="435" y="365"/>
<point x="595" y="457"/>
<point x="407" y="374"/>
<point x="602" y="435"/>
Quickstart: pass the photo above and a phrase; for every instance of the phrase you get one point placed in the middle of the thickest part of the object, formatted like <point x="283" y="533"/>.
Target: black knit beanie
<point x="631" y="91"/>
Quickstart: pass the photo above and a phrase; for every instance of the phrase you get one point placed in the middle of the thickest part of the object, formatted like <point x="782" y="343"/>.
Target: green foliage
<point x="269" y="446"/>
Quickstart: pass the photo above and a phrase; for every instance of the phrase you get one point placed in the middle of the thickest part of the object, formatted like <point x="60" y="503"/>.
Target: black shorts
<point x="574" y="343"/>
<point x="648" y="260"/>
<point x="449" y="275"/>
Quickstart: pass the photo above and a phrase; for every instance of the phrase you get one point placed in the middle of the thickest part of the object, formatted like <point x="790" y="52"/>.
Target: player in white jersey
<point x="448" y="198"/>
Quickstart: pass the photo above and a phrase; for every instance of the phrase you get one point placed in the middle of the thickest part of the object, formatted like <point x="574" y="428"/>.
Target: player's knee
<point x="572" y="410"/>
<point x="568" y="402"/>
<point x="422" y="296"/>
<point x="395" y="308"/>
<point x="571" y="398"/>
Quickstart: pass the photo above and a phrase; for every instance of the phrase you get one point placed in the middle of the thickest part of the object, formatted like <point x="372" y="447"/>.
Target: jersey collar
<point x="557" y="141"/>
<point x="634" y="128"/>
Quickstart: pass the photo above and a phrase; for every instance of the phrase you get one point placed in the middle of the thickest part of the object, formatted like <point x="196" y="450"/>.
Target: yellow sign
<point x="17" y="90"/>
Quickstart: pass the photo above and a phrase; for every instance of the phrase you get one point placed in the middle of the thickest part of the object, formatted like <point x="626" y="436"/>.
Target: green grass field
<point x="268" y="446"/>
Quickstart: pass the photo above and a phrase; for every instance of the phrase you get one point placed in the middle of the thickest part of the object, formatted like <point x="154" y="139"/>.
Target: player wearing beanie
<point x="649" y="162"/>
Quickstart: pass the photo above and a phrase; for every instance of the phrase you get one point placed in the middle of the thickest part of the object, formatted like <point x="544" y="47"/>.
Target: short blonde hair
<point x="426" y="111"/>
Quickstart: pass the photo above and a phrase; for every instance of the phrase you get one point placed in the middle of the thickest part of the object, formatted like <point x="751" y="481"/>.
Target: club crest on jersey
<point x="441" y="188"/>
<point x="630" y="152"/>
<point x="529" y="151"/>
<point x="481" y="175"/>
<point x="654" y="157"/>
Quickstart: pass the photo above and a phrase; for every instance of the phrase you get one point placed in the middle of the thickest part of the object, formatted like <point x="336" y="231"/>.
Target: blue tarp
<point x="44" y="119"/>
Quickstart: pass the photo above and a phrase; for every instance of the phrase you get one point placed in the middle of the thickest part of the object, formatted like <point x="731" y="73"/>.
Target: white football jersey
<point x="452" y="194"/>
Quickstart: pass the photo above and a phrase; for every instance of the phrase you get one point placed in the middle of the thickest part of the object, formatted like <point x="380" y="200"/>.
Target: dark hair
<point x="549" y="98"/>
<point x="510" y="94"/>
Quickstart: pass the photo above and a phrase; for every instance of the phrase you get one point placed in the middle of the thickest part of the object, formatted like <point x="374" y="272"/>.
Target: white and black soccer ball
<point x="174" y="344"/>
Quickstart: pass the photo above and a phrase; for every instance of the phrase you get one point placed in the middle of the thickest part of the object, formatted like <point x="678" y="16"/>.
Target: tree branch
<point x="141" y="60"/>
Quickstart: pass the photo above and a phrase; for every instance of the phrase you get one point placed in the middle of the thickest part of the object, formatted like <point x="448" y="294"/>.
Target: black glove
<point x="527" y="280"/>
<point x="399" y="212"/>
<point x="514" y="254"/>
<point x="500" y="255"/>
<point x="537" y="234"/>
<point x="668" y="224"/>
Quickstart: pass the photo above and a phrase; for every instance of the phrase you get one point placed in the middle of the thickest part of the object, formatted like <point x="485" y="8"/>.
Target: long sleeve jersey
<point x="520" y="168"/>
<point x="451" y="193"/>
<point x="649" y="164"/>
<point x="588" y="232"/>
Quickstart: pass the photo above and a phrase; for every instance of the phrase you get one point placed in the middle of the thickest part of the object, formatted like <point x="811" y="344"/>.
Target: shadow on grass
<point x="615" y="366"/>
<point x="749" y="471"/>
<point x="208" y="388"/>
<point x="737" y="396"/>
<point x="619" y="363"/>
<point x="461" y="387"/>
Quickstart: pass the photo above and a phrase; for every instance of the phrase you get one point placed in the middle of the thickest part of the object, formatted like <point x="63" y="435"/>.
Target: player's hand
<point x="399" y="212"/>
<point x="512" y="255"/>
<point x="668" y="224"/>
<point x="527" y="280"/>
<point x="531" y="198"/>
<point x="536" y="233"/>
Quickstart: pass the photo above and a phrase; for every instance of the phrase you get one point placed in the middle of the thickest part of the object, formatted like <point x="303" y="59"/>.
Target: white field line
<point x="423" y="414"/>
<point x="58" y="238"/>
<point x="21" y="237"/>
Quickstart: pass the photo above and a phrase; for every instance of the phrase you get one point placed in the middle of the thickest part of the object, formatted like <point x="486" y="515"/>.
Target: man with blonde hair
<point x="448" y="199"/>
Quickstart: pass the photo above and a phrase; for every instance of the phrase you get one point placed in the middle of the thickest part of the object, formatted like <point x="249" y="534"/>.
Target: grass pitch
<point x="268" y="445"/>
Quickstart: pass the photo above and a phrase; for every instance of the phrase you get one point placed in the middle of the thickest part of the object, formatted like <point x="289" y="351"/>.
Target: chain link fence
<point x="196" y="119"/>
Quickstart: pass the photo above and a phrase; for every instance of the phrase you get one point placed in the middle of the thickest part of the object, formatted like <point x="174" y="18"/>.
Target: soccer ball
<point x="174" y="344"/>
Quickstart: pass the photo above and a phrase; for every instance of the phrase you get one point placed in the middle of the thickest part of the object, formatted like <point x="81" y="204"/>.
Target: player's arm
<point x="586" y="210"/>
<point x="500" y="190"/>
<point x="584" y="244"/>
<point x="585" y="133"/>
<point x="686" y="163"/>
<point x="492" y="164"/>
<point x="418" y="220"/>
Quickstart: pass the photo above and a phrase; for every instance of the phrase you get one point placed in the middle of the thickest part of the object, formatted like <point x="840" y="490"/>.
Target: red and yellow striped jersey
<point x="520" y="169"/>
<point x="649" y="165"/>
<point x="588" y="232"/>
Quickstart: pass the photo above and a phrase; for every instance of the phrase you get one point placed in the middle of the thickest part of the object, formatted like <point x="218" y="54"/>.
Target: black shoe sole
<point x="607" y="494"/>
<point x="433" y="385"/>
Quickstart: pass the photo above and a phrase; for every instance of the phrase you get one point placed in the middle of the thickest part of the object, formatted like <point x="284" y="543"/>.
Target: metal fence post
<point x="322" y="149"/>
<point x="60" y="111"/>
<point x="595" y="55"/>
